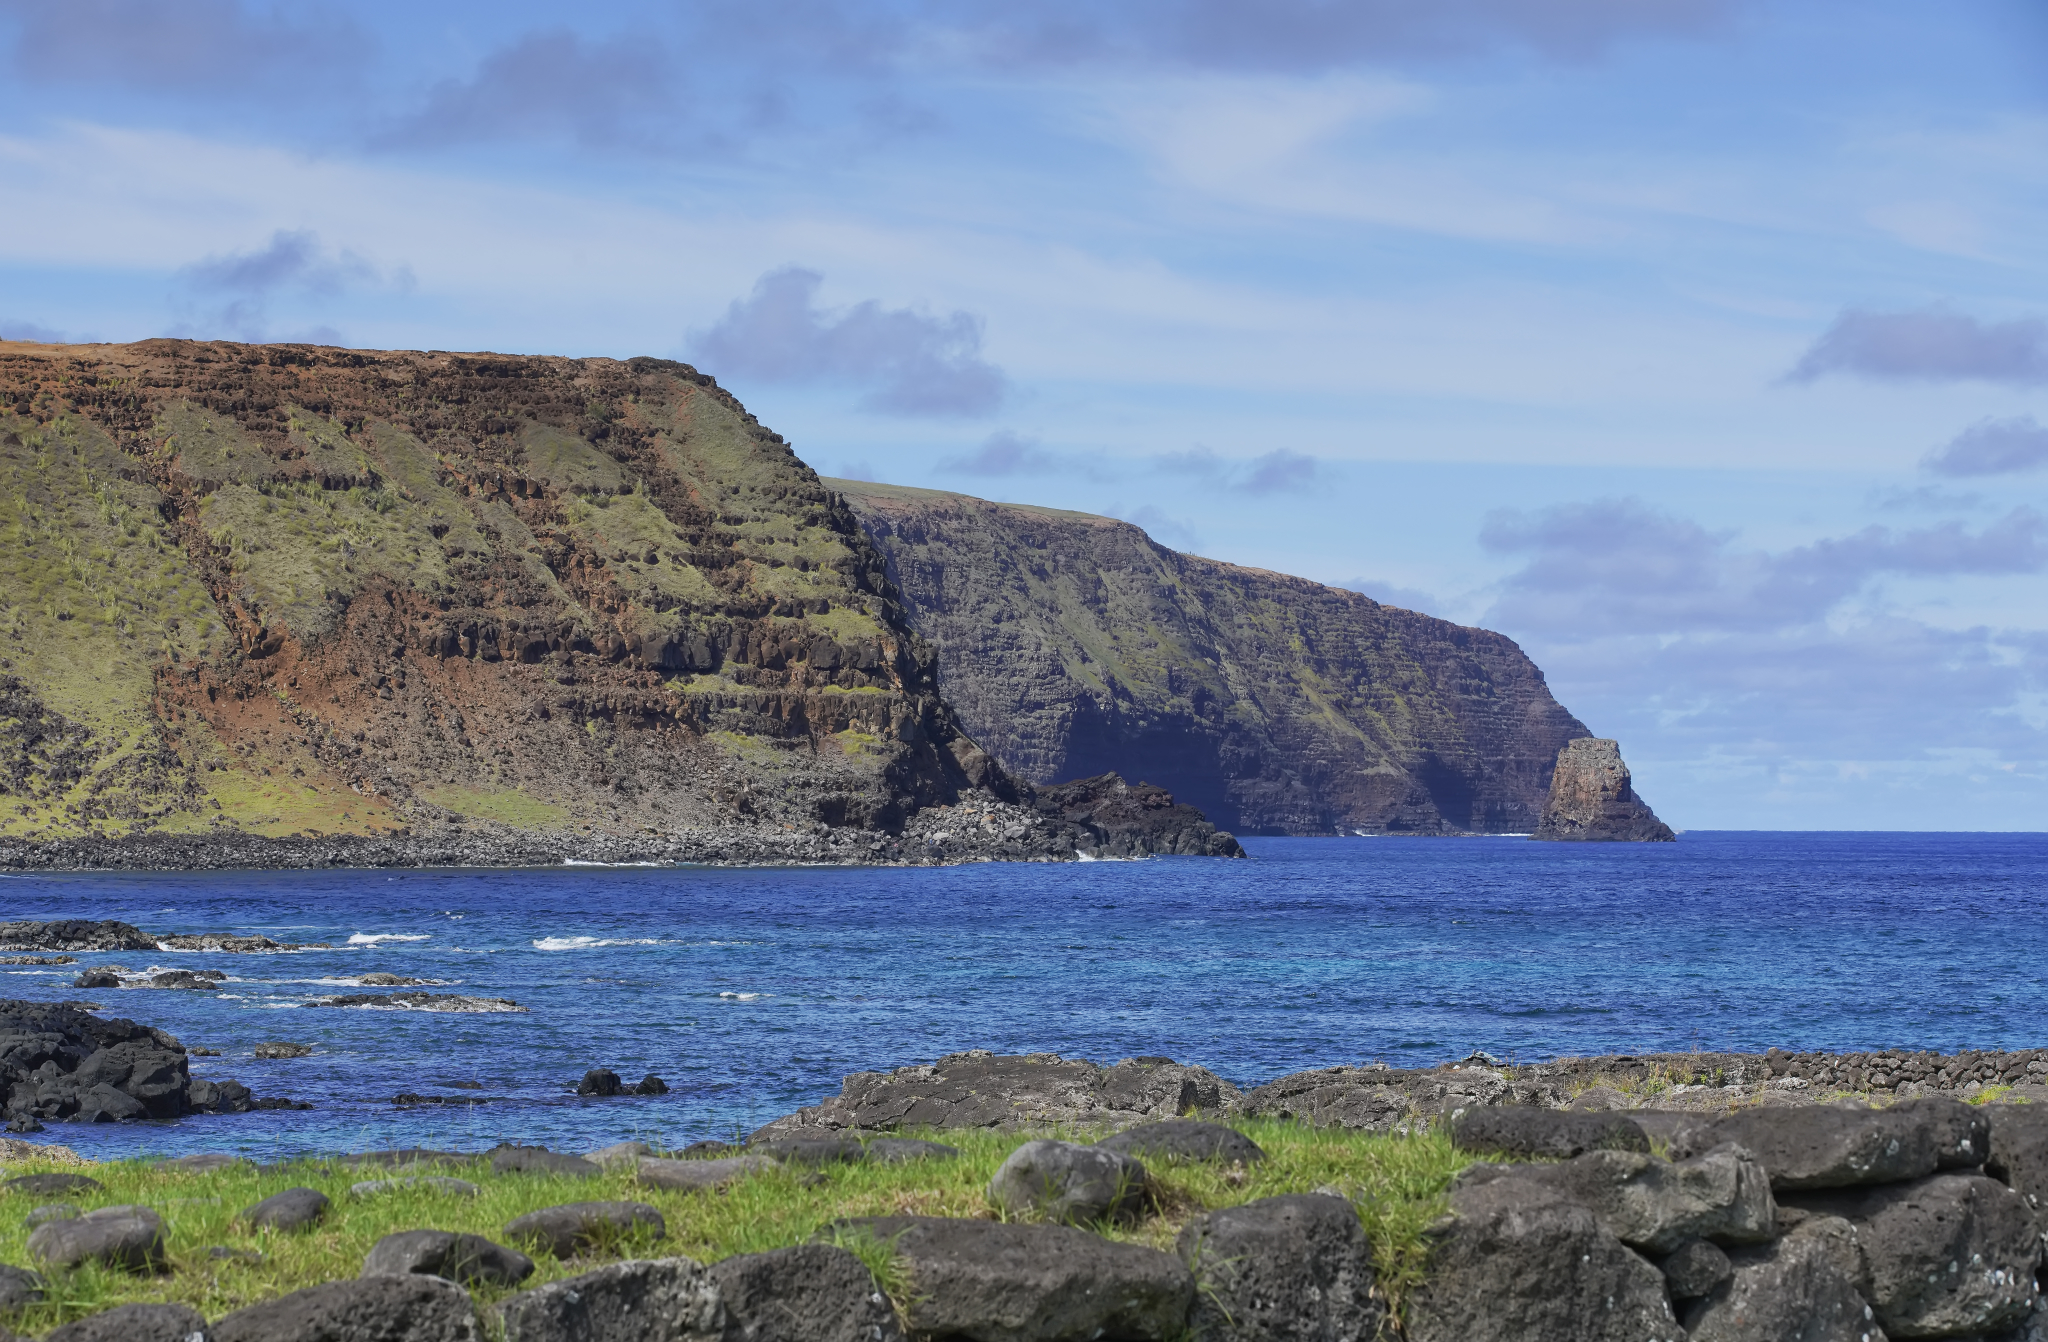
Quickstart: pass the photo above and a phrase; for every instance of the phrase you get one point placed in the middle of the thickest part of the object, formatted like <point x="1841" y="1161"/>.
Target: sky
<point x="1701" y="346"/>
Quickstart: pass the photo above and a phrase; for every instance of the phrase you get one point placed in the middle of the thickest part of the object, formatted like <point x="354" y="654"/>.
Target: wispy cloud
<point x="1004" y="453"/>
<point x="1993" y="447"/>
<point x="1929" y="345"/>
<point x="30" y="331"/>
<point x="1280" y="471"/>
<point x="230" y="294"/>
<point x="198" y="46"/>
<point x="553" y="85"/>
<point x="912" y="362"/>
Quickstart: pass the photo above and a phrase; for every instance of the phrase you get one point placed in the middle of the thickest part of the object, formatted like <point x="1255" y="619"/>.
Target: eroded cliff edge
<point x="1072" y="644"/>
<point x="400" y="606"/>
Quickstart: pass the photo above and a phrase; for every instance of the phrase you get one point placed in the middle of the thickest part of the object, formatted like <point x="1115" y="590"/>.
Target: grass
<point x="1396" y="1182"/>
<point x="506" y="805"/>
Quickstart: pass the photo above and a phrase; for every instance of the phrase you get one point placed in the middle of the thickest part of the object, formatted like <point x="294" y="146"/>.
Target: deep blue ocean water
<point x="754" y="991"/>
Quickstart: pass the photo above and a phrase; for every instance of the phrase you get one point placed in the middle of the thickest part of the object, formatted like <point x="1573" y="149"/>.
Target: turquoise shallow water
<point x="752" y="992"/>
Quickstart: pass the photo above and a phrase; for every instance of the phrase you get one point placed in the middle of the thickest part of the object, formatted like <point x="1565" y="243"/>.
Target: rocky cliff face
<point x="1072" y="644"/>
<point x="295" y="591"/>
<point x="1592" y="799"/>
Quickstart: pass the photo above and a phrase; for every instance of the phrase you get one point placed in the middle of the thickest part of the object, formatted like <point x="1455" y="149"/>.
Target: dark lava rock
<point x="901" y="1150"/>
<point x="74" y="934"/>
<point x="1591" y="799"/>
<point x="368" y="1309"/>
<point x="186" y="978"/>
<point x="391" y="981"/>
<point x="1291" y="1267"/>
<point x="469" y="1259"/>
<point x="997" y="1282"/>
<point x="1694" y="1269"/>
<point x="1804" y="1287"/>
<point x="2019" y="1151"/>
<point x="699" y="1175"/>
<point x="651" y="1085"/>
<point x="1520" y="1130"/>
<point x="812" y="1150"/>
<point x="1836" y="1146"/>
<point x="201" y="1162"/>
<point x="97" y="978"/>
<point x="60" y="1062"/>
<point x="1184" y="1139"/>
<point x="52" y="1185"/>
<point x="283" y="1048"/>
<point x="1946" y="1255"/>
<point x="979" y="1089"/>
<point x="136" y="1323"/>
<point x="293" y="1209"/>
<point x="1133" y="820"/>
<point x="19" y="1286"/>
<point x="566" y="1230"/>
<point x="1522" y="1263"/>
<point x="706" y="1149"/>
<point x="810" y="1293"/>
<point x="1065" y="1181"/>
<point x="55" y="1211"/>
<point x="129" y="1238"/>
<point x="600" y="1081"/>
<point x="458" y="1003"/>
<point x="1656" y="1205"/>
<point x="1385" y="1099"/>
<point x="540" y="1160"/>
<point x="670" y="1299"/>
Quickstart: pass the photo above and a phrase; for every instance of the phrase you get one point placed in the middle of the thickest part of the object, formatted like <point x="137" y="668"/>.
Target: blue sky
<point x="1700" y="345"/>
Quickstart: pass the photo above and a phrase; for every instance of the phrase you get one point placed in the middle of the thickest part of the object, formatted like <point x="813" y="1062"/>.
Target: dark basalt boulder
<point x="74" y="934"/>
<point x="1520" y="1130"/>
<point x="600" y="1081"/>
<point x="97" y="978"/>
<point x="1178" y="1139"/>
<point x="1837" y="1146"/>
<point x="1592" y="799"/>
<point x="1282" y="1269"/>
<point x="813" y="1292"/>
<point x="511" y="1159"/>
<point x="699" y="1176"/>
<point x="367" y="1309"/>
<point x="52" y="1185"/>
<point x="2019" y="1151"/>
<point x="1133" y="820"/>
<point x="469" y="1259"/>
<point x="979" y="1089"/>
<point x="902" y="1150"/>
<point x="1947" y="1255"/>
<point x="185" y="978"/>
<point x="282" y="1048"/>
<point x="129" y="1238"/>
<point x="996" y="1282"/>
<point x="1520" y="1262"/>
<point x="569" y="1229"/>
<point x="136" y="1323"/>
<point x="58" y="1061"/>
<point x="19" y="1286"/>
<point x="293" y="1209"/>
<point x="667" y="1298"/>
<point x="1655" y="1205"/>
<point x="1383" y="1099"/>
<point x="1069" y="1183"/>
<point x="1694" y="1269"/>
<point x="1804" y="1286"/>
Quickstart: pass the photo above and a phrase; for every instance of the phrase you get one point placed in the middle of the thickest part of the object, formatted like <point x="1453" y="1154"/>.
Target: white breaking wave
<point x="586" y="943"/>
<point x="744" y="997"/>
<point x="378" y="938"/>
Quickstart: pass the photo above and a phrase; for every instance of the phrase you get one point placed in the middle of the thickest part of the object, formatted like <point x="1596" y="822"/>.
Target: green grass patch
<point x="507" y="806"/>
<point x="1396" y="1182"/>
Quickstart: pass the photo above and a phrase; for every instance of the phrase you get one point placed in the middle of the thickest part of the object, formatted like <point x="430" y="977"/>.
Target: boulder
<point x="283" y="1048"/>
<point x="1282" y="1268"/>
<point x="186" y="978"/>
<point x="1694" y="1269"/>
<point x="1065" y="1181"/>
<point x="987" y="1281"/>
<point x="445" y="1185"/>
<point x="979" y="1089"/>
<point x="1378" y="1098"/>
<point x="902" y="1150"/>
<point x="540" y="1160"/>
<point x="698" y="1175"/>
<point x="1656" y="1205"/>
<point x="1948" y="1254"/>
<point x="74" y="934"/>
<point x="2019" y="1151"/>
<point x="1592" y="799"/>
<point x="1804" y="1286"/>
<point x="469" y="1259"/>
<point x="1520" y="1262"/>
<point x="627" y="1154"/>
<point x="19" y="1286"/>
<point x="97" y="978"/>
<point x="600" y="1081"/>
<point x="1838" y="1146"/>
<point x="1178" y="1139"/>
<point x="105" y="1104"/>
<point x="202" y="1162"/>
<point x="812" y="1150"/>
<point x="52" y="1185"/>
<point x="52" y="1211"/>
<point x="650" y="1085"/>
<point x="136" y="1323"/>
<point x="659" y="1300"/>
<point x="129" y="1238"/>
<point x="293" y="1209"/>
<point x="810" y="1293"/>
<point x="1521" y="1130"/>
<point x="567" y="1230"/>
<point x="367" y="1309"/>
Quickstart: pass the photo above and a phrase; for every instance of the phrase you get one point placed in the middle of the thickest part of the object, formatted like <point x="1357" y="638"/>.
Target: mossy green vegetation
<point x="507" y="806"/>
<point x="1397" y="1184"/>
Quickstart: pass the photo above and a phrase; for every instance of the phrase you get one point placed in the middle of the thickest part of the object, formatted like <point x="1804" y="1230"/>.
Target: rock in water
<point x="1591" y="799"/>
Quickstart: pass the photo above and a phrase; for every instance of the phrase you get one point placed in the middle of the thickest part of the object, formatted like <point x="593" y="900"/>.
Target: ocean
<point x="751" y="992"/>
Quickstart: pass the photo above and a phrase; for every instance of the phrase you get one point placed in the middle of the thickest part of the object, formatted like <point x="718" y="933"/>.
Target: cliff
<point x="1592" y="799"/>
<point x="1072" y="644"/>
<point x="368" y="601"/>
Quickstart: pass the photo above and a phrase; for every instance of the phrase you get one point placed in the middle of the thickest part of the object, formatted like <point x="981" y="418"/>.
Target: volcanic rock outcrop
<point x="59" y="1062"/>
<point x="1592" y="800"/>
<point x="1071" y="644"/>
<point x="418" y="607"/>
